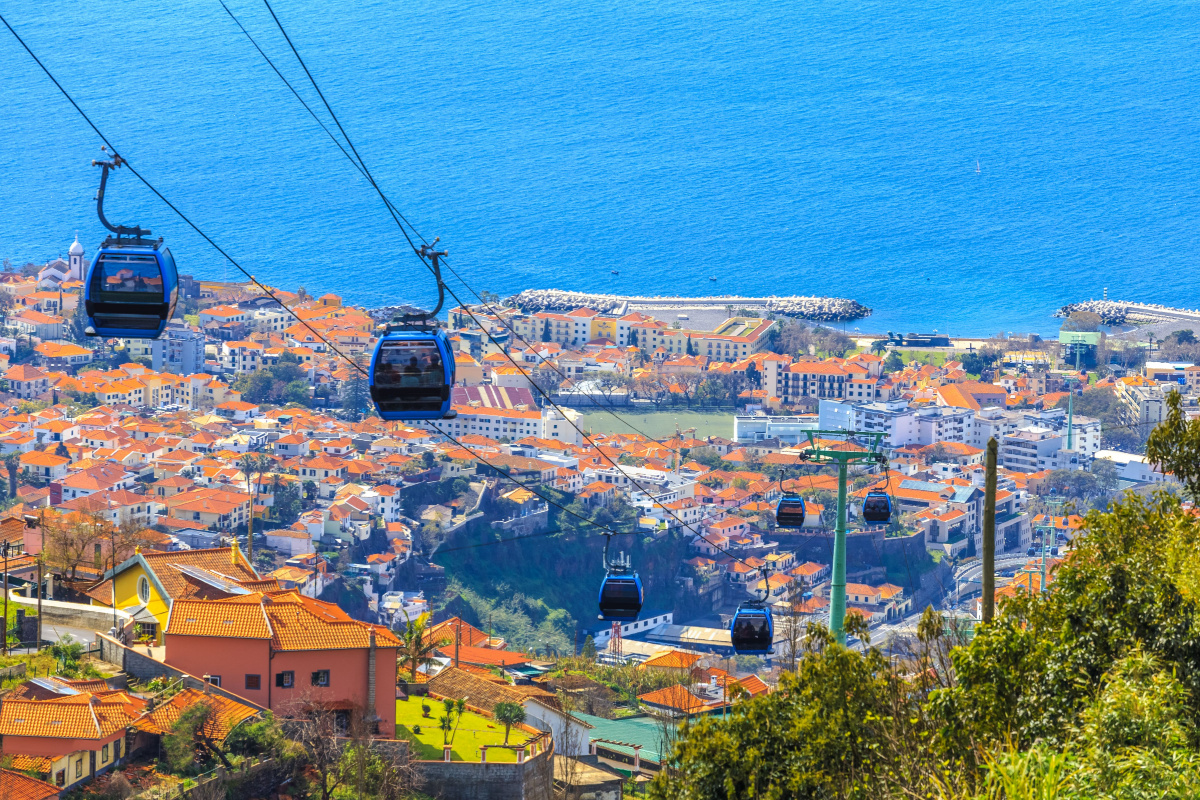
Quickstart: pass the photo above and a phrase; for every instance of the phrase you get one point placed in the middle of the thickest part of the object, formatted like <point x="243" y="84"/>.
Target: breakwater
<point x="818" y="309"/>
<point x="1121" y="312"/>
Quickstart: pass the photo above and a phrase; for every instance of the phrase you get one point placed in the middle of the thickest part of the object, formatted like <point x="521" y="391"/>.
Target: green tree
<point x="546" y="333"/>
<point x="1174" y="446"/>
<point x="288" y="503"/>
<point x="356" y="397"/>
<point x="417" y="646"/>
<point x="879" y="346"/>
<point x="508" y="714"/>
<point x="589" y="648"/>
<point x="894" y="362"/>
<point x="12" y="463"/>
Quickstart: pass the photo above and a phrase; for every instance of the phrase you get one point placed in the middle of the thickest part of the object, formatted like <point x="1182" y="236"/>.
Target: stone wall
<point x="468" y="780"/>
<point x="250" y="781"/>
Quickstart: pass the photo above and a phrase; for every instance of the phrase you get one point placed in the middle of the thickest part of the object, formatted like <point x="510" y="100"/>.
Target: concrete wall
<point x="464" y="780"/>
<point x="72" y="615"/>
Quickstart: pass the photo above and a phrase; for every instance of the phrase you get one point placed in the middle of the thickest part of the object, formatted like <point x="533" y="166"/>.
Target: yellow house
<point x="604" y="328"/>
<point x="146" y="584"/>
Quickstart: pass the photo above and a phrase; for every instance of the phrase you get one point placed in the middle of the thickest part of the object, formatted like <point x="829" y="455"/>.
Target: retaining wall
<point x="468" y="780"/>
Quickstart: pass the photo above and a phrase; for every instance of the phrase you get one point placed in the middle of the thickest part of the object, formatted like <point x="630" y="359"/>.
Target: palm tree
<point x="879" y="346"/>
<point x="252" y="464"/>
<point x="446" y="724"/>
<point x="416" y="647"/>
<point x="508" y="714"/>
<point x="12" y="463"/>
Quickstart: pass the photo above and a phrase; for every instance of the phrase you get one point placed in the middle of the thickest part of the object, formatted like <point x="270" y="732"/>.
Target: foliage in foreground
<point x="1090" y="691"/>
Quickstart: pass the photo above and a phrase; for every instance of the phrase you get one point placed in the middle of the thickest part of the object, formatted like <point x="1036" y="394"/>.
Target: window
<point x="143" y="589"/>
<point x="104" y="754"/>
<point x="320" y="677"/>
<point x="285" y="679"/>
<point x="60" y="778"/>
<point x="79" y="768"/>
<point x="254" y="682"/>
<point x="215" y="680"/>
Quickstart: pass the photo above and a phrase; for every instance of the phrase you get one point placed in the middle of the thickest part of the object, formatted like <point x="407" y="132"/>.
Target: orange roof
<point x="675" y="659"/>
<point x="225" y="715"/>
<point x="290" y="620"/>
<point x="677" y="698"/>
<point x="78" y="716"/>
<point x="15" y="786"/>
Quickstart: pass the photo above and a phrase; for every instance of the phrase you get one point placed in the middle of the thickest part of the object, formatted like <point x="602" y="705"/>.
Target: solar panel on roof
<point x="50" y="684"/>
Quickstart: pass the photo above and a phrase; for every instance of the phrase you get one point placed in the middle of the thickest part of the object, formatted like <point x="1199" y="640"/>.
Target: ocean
<point x="959" y="167"/>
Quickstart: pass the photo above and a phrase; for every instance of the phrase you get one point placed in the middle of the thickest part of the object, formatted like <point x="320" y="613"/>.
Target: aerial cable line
<point x="125" y="162"/>
<point x="421" y="254"/>
<point x="352" y="362"/>
<point x="402" y="219"/>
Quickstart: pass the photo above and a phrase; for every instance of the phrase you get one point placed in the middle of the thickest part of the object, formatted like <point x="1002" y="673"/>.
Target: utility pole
<point x="988" y="577"/>
<point x="842" y="459"/>
<point x="1071" y="404"/>
<point x="6" y="546"/>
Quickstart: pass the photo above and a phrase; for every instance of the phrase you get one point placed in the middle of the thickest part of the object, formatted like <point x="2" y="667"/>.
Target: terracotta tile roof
<point x="15" y="786"/>
<point x="32" y="764"/>
<point x="675" y="659"/>
<point x="466" y="633"/>
<point x="217" y="560"/>
<point x="677" y="698"/>
<point x="481" y="693"/>
<point x="483" y="656"/>
<point x="226" y="714"/>
<point x="289" y="620"/>
<point x="81" y="716"/>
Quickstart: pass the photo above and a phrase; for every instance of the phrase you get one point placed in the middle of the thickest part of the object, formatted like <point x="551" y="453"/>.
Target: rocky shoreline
<point x="817" y="309"/>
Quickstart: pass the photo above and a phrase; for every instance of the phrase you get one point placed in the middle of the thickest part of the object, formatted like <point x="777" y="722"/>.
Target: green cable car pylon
<point x="842" y="459"/>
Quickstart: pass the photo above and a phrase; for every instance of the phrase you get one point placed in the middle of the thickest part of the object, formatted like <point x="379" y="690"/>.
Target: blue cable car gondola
<point x="132" y="285"/>
<point x="412" y="369"/>
<point x="789" y="513"/>
<point x="412" y="373"/>
<point x="621" y="592"/>
<point x="877" y="507"/>
<point x="752" y="630"/>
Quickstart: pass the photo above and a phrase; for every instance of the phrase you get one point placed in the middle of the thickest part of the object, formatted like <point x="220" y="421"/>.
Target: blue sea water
<point x="967" y="167"/>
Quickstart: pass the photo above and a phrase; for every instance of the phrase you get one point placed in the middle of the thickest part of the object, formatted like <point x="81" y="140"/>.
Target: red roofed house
<point x="25" y="381"/>
<point x="288" y="653"/>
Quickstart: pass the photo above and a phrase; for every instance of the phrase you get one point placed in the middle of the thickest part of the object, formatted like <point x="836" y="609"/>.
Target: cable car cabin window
<point x="620" y="598"/>
<point x="409" y="365"/>
<point x="128" y="278"/>
<point x="751" y="627"/>
<point x="409" y="376"/>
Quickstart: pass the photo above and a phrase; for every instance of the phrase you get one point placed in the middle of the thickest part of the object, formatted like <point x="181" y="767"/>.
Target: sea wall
<point x="820" y="309"/>
<point x="1118" y="312"/>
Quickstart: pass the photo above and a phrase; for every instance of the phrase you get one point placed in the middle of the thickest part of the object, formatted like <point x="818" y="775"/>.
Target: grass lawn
<point x="474" y="730"/>
<point x="661" y="424"/>
<point x="934" y="357"/>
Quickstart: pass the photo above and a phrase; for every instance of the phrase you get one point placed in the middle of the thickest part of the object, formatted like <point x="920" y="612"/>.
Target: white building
<point x="757" y="427"/>
<point x="1131" y="467"/>
<point x="901" y="423"/>
<point x="56" y="272"/>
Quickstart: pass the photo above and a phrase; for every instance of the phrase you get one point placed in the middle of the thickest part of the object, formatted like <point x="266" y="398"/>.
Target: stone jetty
<point x="1120" y="312"/>
<point x="818" y="309"/>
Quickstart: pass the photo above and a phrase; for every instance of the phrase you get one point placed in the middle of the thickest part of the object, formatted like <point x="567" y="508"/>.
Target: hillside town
<point x="196" y="510"/>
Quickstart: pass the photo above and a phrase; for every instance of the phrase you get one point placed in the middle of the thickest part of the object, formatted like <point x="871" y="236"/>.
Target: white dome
<point x="76" y="247"/>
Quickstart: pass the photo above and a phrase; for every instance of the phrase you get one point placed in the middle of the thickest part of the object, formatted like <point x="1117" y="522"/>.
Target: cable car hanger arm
<point x="138" y="235"/>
